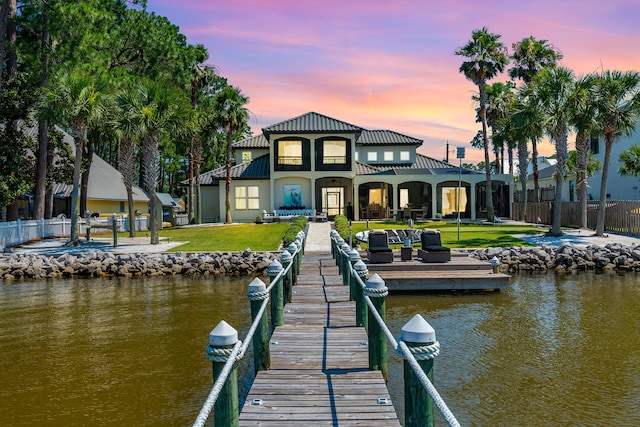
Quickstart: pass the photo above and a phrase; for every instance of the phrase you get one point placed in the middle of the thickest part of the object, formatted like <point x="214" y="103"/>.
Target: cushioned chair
<point x="432" y="249"/>
<point x="379" y="250"/>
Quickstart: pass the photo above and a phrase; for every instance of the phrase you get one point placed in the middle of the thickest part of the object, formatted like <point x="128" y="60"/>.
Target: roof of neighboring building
<point x="311" y="123"/>
<point x="166" y="199"/>
<point x="257" y="168"/>
<point x="386" y="137"/>
<point x="257" y="141"/>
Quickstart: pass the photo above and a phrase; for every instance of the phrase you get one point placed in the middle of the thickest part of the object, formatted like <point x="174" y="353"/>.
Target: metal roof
<point x="105" y="181"/>
<point x="257" y="168"/>
<point x="386" y="137"/>
<point x="312" y="123"/>
<point x="257" y="141"/>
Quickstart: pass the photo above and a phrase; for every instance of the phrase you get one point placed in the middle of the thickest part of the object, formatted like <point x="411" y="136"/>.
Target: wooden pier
<point x="461" y="273"/>
<point x="319" y="372"/>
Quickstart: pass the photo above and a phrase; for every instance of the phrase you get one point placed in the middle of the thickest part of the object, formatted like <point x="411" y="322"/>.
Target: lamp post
<point x="459" y="155"/>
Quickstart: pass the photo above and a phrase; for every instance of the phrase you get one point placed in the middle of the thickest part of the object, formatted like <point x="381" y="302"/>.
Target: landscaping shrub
<point x="341" y="224"/>
<point x="297" y="225"/>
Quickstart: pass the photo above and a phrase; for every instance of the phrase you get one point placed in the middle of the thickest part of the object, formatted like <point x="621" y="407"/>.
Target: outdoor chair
<point x="432" y="249"/>
<point x="379" y="250"/>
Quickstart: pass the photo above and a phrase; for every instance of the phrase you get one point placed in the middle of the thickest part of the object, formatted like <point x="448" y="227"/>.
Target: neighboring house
<point x="618" y="187"/>
<point x="547" y="182"/>
<point x="106" y="192"/>
<point x="314" y="163"/>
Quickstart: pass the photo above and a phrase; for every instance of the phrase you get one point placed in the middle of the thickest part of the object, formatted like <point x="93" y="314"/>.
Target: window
<point x="247" y="197"/>
<point x="121" y="207"/>
<point x="290" y="152"/>
<point x="404" y="197"/>
<point x="334" y="152"/>
<point x="388" y="156"/>
<point x="246" y="156"/>
<point x="357" y="156"/>
<point x="405" y="156"/>
<point x="372" y="156"/>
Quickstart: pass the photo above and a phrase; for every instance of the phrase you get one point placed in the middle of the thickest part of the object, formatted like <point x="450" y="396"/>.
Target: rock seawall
<point x="564" y="258"/>
<point x="98" y="263"/>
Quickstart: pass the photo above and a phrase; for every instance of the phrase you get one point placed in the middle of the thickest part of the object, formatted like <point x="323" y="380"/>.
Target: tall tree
<point x="487" y="57"/>
<point x="77" y="101"/>
<point x="584" y="122"/>
<point x="232" y="115"/>
<point x="553" y="89"/>
<point x="529" y="57"/>
<point x="618" y="103"/>
<point x="161" y="112"/>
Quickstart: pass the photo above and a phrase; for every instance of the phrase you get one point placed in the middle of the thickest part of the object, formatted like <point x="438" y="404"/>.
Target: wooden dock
<point x="461" y="273"/>
<point x="319" y="361"/>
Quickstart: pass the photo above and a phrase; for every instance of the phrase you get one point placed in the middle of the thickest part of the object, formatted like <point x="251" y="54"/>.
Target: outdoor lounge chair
<point x="432" y="249"/>
<point x="379" y="250"/>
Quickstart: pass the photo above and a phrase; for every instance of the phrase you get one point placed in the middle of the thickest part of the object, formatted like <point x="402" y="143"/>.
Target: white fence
<point x="14" y="233"/>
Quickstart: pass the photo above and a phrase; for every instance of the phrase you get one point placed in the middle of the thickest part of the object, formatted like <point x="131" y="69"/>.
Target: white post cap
<point x="222" y="335"/>
<point x="418" y="330"/>
<point x="258" y="285"/>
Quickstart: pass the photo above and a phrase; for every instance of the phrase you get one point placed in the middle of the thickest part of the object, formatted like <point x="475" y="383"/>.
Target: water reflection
<point x="549" y="350"/>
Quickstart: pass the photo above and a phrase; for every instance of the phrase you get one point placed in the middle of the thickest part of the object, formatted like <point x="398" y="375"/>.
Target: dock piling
<point x="377" y="291"/>
<point x="257" y="293"/>
<point x="222" y="339"/>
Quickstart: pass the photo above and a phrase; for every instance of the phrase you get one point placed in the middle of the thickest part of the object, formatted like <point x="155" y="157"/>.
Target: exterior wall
<point x="306" y="178"/>
<point x="254" y="152"/>
<point x="108" y="207"/>
<point x="210" y="203"/>
<point x="362" y="154"/>
<point x="618" y="187"/>
<point x="244" y="215"/>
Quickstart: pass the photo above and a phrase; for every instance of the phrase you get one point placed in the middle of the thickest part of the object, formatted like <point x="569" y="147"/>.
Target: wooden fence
<point x="621" y="216"/>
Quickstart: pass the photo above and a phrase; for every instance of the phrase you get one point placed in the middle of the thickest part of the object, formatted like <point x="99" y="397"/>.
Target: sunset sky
<point x="391" y="64"/>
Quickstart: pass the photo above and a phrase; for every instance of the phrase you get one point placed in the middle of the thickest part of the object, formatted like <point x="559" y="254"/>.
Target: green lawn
<point x="237" y="237"/>
<point x="471" y="235"/>
<point x="267" y="237"/>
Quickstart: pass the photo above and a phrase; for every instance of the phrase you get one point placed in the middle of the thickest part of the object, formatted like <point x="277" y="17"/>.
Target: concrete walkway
<point x="318" y="239"/>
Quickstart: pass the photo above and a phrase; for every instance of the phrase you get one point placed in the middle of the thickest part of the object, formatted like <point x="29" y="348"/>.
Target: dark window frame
<point x="306" y="155"/>
<point x="320" y="159"/>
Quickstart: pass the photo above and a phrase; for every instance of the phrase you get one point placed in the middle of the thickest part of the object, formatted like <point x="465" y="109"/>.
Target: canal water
<point x="550" y="350"/>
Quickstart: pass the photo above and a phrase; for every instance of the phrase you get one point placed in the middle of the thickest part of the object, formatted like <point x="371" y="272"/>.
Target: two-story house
<point x="320" y="164"/>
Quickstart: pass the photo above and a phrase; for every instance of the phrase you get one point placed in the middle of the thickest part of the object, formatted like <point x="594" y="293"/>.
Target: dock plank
<point x="319" y="372"/>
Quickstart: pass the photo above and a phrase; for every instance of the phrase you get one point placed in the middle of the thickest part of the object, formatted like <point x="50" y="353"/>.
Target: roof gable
<point x="312" y="123"/>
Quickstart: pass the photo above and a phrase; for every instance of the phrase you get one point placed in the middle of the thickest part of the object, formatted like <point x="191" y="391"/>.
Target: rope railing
<point x="371" y="293"/>
<point x="225" y="350"/>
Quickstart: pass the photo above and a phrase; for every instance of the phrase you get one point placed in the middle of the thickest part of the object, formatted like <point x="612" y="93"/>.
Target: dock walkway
<point x="319" y="372"/>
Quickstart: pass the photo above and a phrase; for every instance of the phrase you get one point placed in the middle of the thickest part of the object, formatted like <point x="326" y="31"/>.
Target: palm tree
<point x="487" y="57"/>
<point x="232" y="115"/>
<point x="161" y="111"/>
<point x="618" y="104"/>
<point x="76" y="100"/>
<point x="630" y="160"/>
<point x="529" y="57"/>
<point x="553" y="89"/>
<point x="583" y="119"/>
<point x="499" y="97"/>
<point x="126" y="103"/>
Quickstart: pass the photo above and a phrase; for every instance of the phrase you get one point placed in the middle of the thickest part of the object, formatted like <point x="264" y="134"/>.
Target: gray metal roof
<point x="386" y="137"/>
<point x="105" y="181"/>
<point x="365" y="169"/>
<point x="257" y="168"/>
<point x="312" y="123"/>
<point x="257" y="141"/>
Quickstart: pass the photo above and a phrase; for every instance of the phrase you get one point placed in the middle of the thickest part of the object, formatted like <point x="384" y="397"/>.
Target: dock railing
<point x="225" y="350"/>
<point x="417" y="345"/>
